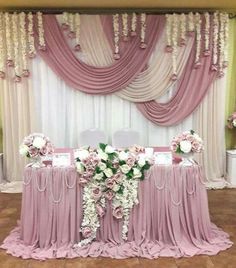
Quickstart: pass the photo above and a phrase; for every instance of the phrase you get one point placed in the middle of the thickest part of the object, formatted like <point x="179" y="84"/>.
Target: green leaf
<point x="192" y="131"/>
<point x="122" y="162"/>
<point x="102" y="146"/>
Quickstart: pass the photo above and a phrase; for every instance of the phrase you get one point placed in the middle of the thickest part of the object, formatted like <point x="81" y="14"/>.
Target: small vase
<point x="187" y="159"/>
<point x="36" y="162"/>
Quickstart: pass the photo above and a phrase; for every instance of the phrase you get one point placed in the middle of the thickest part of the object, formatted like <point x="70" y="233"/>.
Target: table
<point x="231" y="167"/>
<point x="171" y="219"/>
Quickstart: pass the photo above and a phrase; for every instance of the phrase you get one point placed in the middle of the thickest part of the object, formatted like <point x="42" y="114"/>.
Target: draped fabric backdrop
<point x="48" y="104"/>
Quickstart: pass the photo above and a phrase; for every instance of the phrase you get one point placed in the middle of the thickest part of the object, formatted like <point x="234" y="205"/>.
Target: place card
<point x="61" y="159"/>
<point x="163" y="158"/>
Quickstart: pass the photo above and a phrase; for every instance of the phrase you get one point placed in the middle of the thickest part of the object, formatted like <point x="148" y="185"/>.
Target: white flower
<point x="125" y="168"/>
<point x="185" y="146"/>
<point x="79" y="167"/>
<point x="116" y="188"/>
<point x="137" y="173"/>
<point x="123" y="156"/>
<point x="102" y="155"/>
<point x="109" y="149"/>
<point x="234" y="122"/>
<point x="98" y="176"/>
<point x="39" y="142"/>
<point x="82" y="154"/>
<point x="141" y="161"/>
<point x="24" y="149"/>
<point x="108" y="172"/>
<point x="102" y="166"/>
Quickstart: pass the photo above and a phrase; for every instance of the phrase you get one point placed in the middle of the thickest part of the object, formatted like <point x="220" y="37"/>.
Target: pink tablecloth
<point x="172" y="218"/>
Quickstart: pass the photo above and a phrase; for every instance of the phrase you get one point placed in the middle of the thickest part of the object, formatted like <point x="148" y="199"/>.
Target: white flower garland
<point x="125" y="29"/>
<point x="16" y="47"/>
<point x="174" y="46"/>
<point x="77" y="32"/>
<point x="206" y="34"/>
<point x="116" y="35"/>
<point x="182" y="29"/>
<point x="190" y="24"/>
<point x="2" y="52"/>
<point x="25" y="71"/>
<point x="221" y="44"/>
<point x="65" y="20"/>
<point x="31" y="43"/>
<point x="198" y="40"/>
<point x="42" y="44"/>
<point x="143" y="30"/>
<point x="71" y="26"/>
<point x="8" y="39"/>
<point x="168" y="33"/>
<point x="226" y="37"/>
<point x="133" y="24"/>
<point x="214" y="66"/>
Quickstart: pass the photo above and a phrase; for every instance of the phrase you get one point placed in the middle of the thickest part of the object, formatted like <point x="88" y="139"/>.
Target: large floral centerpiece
<point x="109" y="176"/>
<point x="187" y="143"/>
<point x="232" y="121"/>
<point x="35" y="146"/>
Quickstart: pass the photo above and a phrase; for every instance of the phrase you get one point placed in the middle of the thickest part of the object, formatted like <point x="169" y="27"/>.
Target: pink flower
<point x="86" y="232"/>
<point x="118" y="212"/>
<point x="143" y="45"/>
<point x="33" y="152"/>
<point x="110" y="182"/>
<point x="133" y="33"/>
<point x="130" y="161"/>
<point x="109" y="195"/>
<point x="168" y="49"/>
<point x="83" y="181"/>
<point x="118" y="177"/>
<point x="100" y="210"/>
<point x="43" y="150"/>
<point x="97" y="193"/>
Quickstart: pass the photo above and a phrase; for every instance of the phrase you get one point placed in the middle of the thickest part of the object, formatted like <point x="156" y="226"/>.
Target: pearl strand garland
<point x="116" y="35"/>
<point x="32" y="51"/>
<point x="2" y="51"/>
<point x="143" y="30"/>
<point x="16" y="47"/>
<point x="77" y="32"/>
<point x="25" y="71"/>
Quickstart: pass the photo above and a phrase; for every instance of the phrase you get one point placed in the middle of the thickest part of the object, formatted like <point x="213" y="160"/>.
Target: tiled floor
<point x="222" y="205"/>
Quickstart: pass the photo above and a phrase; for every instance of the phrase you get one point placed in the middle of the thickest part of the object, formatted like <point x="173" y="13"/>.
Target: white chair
<point x="92" y="137"/>
<point x="125" y="138"/>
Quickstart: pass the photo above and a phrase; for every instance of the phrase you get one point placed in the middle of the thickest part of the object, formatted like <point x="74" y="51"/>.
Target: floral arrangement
<point x="109" y="175"/>
<point x="36" y="145"/>
<point x="232" y="121"/>
<point x="187" y="142"/>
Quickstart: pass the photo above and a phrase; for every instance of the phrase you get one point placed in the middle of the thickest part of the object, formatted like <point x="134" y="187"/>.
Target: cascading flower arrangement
<point x="109" y="176"/>
<point x="232" y="121"/>
<point x="186" y="143"/>
<point x="35" y="146"/>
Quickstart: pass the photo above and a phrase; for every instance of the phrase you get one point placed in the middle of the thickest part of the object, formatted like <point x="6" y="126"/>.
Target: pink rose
<point x="43" y="150"/>
<point x="118" y="177"/>
<point x="130" y="161"/>
<point x="110" y="183"/>
<point x="100" y="210"/>
<point x="83" y="181"/>
<point x="86" y="232"/>
<point x="97" y="193"/>
<point x="118" y="212"/>
<point x="33" y="152"/>
<point x="109" y="195"/>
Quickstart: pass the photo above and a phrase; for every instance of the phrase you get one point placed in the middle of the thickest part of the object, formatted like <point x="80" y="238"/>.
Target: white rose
<point x="234" y="122"/>
<point x="39" y="142"/>
<point x="82" y="154"/>
<point x="141" y="161"/>
<point x="102" y="165"/>
<point x="108" y="172"/>
<point x="137" y="173"/>
<point x="109" y="149"/>
<point x="102" y="155"/>
<point x="185" y="146"/>
<point x="123" y="156"/>
<point x="98" y="176"/>
<point x="24" y="149"/>
<point x="125" y="168"/>
<point x="116" y="188"/>
<point x="79" y="167"/>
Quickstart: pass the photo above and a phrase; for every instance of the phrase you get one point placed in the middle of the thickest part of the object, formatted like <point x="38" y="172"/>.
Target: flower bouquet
<point x="185" y="144"/>
<point x="232" y="121"/>
<point x="35" y="146"/>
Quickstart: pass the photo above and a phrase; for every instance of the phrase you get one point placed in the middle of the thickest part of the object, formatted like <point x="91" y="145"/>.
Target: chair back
<point x="92" y="137"/>
<point x="125" y="138"/>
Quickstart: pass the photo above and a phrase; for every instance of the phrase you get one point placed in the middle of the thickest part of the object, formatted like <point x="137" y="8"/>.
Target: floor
<point x="222" y="205"/>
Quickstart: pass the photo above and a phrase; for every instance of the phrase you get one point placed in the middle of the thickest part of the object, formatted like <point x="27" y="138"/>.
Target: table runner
<point x="171" y="219"/>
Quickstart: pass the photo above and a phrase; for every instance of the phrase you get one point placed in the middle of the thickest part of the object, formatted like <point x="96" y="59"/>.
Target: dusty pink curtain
<point x="94" y="80"/>
<point x="190" y="90"/>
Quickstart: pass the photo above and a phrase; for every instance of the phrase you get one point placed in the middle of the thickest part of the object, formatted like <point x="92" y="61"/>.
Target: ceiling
<point x="229" y="5"/>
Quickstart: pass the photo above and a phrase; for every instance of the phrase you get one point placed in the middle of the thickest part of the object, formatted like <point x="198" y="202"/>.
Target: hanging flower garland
<point x="174" y="46"/>
<point x="10" y="62"/>
<point x="143" y="30"/>
<point x="226" y="39"/>
<point x="116" y="35"/>
<point x="198" y="20"/>
<point x="206" y="34"/>
<point x="133" y="25"/>
<point x="2" y="54"/>
<point x="214" y="66"/>
<point x="42" y="44"/>
<point x="16" y="48"/>
<point x="125" y="29"/>
<point x="182" y="30"/>
<point x="65" y="21"/>
<point x="77" y="32"/>
<point x="71" y="34"/>
<point x="168" y="33"/>
<point x="31" y="44"/>
<point x="191" y="24"/>
<point x="23" y="41"/>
